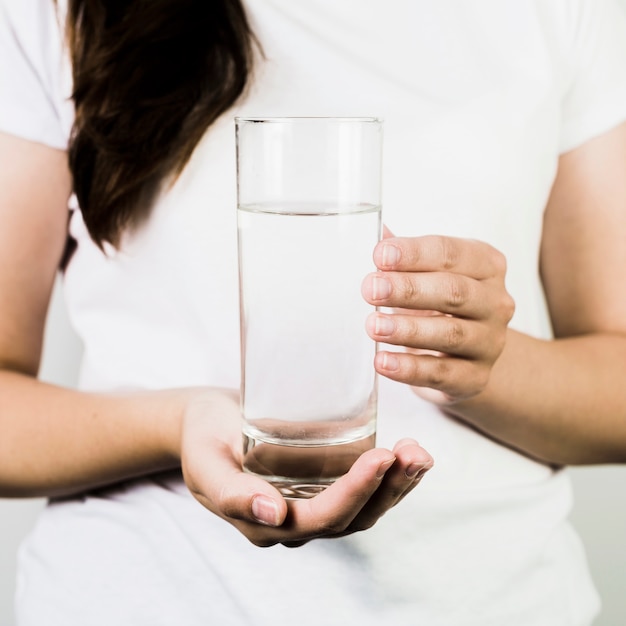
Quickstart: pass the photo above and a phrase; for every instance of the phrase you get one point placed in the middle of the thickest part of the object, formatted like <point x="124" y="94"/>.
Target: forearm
<point x="59" y="441"/>
<point x="561" y="401"/>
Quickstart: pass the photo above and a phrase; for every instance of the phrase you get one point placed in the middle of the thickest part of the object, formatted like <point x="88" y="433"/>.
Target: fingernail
<point x="389" y="362"/>
<point x="413" y="470"/>
<point x="265" y="510"/>
<point x="381" y="288"/>
<point x="383" y="326"/>
<point x="382" y="469"/>
<point x="390" y="255"/>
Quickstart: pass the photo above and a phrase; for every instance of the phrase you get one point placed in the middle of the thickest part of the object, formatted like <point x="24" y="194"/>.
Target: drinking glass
<point x="309" y="217"/>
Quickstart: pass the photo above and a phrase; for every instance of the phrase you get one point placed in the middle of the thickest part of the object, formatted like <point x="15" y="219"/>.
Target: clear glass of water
<point x="309" y="217"/>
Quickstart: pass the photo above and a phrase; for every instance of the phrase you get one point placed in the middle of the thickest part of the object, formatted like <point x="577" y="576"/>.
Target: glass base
<point x="301" y="471"/>
<point x="297" y="491"/>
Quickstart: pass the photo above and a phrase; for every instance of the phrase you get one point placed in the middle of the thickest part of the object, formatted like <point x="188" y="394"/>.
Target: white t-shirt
<point x="479" y="98"/>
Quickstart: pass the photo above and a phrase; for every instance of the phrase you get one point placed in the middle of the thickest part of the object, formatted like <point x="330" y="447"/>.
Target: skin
<point x="559" y="401"/>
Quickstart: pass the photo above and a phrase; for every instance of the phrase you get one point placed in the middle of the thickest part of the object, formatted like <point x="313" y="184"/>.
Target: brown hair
<point x="150" y="76"/>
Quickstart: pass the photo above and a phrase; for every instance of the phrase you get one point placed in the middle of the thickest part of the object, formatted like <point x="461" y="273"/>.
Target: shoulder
<point x="587" y="44"/>
<point x="576" y="26"/>
<point x="35" y="74"/>
<point x="33" y="29"/>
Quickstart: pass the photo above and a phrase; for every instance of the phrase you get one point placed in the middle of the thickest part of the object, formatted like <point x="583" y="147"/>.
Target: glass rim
<point x="256" y="119"/>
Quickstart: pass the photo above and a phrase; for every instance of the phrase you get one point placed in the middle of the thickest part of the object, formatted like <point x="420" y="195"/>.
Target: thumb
<point x="220" y="485"/>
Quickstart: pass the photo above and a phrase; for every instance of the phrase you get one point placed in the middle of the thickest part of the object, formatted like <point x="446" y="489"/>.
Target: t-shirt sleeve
<point x="594" y="98"/>
<point x="31" y="101"/>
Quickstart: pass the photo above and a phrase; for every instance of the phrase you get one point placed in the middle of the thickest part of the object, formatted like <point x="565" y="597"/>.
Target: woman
<point x="504" y="159"/>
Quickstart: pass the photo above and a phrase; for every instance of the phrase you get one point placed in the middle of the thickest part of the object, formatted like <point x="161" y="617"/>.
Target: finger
<point x="435" y="253"/>
<point x="412" y="462"/>
<point x="442" y="333"/>
<point x="329" y="513"/>
<point x="332" y="511"/>
<point x="216" y="479"/>
<point x="448" y="293"/>
<point x="457" y="378"/>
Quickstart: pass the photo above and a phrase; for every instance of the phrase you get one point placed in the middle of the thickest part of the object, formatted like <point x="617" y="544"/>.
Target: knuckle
<point x="499" y="262"/>
<point x="505" y="308"/>
<point x="409" y="288"/>
<point x="482" y="379"/>
<point x="457" y="293"/>
<point x="455" y="334"/>
<point x="227" y="504"/>
<point x="438" y="372"/>
<point x="413" y="330"/>
<point x="229" y="510"/>
<point x="496" y="259"/>
<point x="474" y="380"/>
<point x="509" y="307"/>
<point x="448" y="252"/>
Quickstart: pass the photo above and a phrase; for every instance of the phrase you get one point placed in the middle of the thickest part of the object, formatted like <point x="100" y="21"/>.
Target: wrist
<point x="170" y="406"/>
